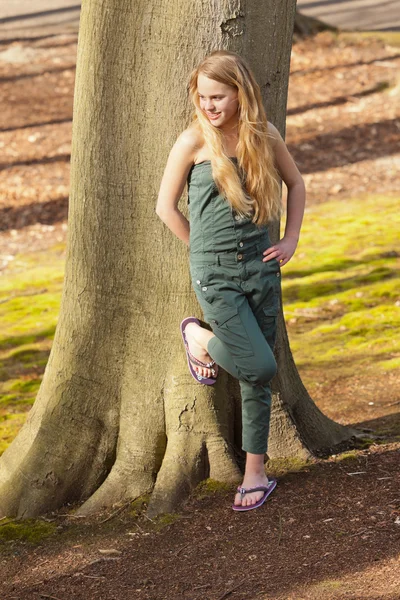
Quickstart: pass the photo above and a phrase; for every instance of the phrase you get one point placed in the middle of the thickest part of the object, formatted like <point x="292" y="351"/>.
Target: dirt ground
<point x="330" y="531"/>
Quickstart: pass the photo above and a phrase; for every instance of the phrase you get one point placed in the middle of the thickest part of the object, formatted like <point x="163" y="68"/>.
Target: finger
<point x="271" y="255"/>
<point x="270" y="249"/>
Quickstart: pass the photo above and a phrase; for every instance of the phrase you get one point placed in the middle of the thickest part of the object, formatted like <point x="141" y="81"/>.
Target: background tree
<point x="118" y="414"/>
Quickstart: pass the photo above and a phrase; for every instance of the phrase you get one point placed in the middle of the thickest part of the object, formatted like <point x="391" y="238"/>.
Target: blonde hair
<point x="260" y="195"/>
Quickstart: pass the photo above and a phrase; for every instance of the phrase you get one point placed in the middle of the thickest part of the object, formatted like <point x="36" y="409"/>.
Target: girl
<point x="231" y="158"/>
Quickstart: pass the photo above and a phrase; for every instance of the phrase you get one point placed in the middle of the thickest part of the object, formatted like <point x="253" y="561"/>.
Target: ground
<point x="331" y="529"/>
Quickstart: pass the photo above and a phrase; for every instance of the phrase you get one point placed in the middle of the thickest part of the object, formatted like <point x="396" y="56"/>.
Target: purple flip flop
<point x="192" y="359"/>
<point x="262" y="488"/>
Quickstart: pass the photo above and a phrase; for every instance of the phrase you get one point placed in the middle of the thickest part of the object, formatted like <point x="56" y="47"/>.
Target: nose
<point x="209" y="105"/>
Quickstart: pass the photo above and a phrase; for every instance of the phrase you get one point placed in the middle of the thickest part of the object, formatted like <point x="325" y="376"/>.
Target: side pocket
<point x="228" y="327"/>
<point x="270" y="315"/>
<point x="271" y="308"/>
<point x="269" y="328"/>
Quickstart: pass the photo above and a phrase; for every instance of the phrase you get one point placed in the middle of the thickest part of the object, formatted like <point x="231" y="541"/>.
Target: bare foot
<point x="251" y="481"/>
<point x="195" y="339"/>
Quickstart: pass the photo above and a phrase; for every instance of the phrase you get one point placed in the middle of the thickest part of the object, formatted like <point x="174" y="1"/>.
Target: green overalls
<point x="239" y="295"/>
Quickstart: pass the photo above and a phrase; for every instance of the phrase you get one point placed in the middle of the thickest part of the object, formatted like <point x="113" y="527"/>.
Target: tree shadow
<point x="336" y="365"/>
<point x="341" y="67"/>
<point x="33" y="75"/>
<point x="43" y="13"/>
<point x="297" y="292"/>
<point x="335" y="10"/>
<point x="15" y="341"/>
<point x="17" y="217"/>
<point x="62" y="44"/>
<point x="44" y="160"/>
<point x="8" y="40"/>
<point x="320" y="3"/>
<point x="338" y="99"/>
<point x="347" y="146"/>
<point x="29" y="125"/>
<point x="389" y="29"/>
<point x="386" y="426"/>
<point x="339" y="265"/>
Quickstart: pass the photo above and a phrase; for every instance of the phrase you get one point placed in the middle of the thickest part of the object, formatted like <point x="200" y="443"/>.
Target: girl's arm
<point x="296" y="197"/>
<point x="180" y="159"/>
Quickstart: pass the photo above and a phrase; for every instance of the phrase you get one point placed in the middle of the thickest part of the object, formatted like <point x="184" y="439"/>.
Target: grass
<point x="30" y="293"/>
<point x="391" y="38"/>
<point x="341" y="290"/>
<point x="30" y="531"/>
<point x="341" y="302"/>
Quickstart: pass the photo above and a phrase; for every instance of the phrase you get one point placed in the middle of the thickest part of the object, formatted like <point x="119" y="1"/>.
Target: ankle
<point x="255" y="473"/>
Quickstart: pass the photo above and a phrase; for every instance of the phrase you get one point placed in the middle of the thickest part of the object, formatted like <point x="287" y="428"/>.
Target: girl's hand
<point x="282" y="251"/>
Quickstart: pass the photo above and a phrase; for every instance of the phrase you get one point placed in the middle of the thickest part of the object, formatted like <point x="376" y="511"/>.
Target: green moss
<point x="17" y="316"/>
<point x="346" y="456"/>
<point x="139" y="505"/>
<point x="8" y="400"/>
<point x="26" y="355"/>
<point x="29" y="530"/>
<point x="165" y="519"/>
<point x="30" y="293"/>
<point x="390" y="364"/>
<point x="280" y="466"/>
<point x="209" y="487"/>
<point x="10" y="424"/>
<point x="13" y="341"/>
<point x="19" y="385"/>
<point x="330" y="584"/>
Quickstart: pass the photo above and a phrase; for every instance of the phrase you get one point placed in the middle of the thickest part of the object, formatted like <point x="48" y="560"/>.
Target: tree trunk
<point x="117" y="414"/>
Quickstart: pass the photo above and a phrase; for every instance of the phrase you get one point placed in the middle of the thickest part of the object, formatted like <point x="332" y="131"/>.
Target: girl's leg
<point x="254" y="476"/>
<point x="242" y="346"/>
<point x="199" y="339"/>
<point x="242" y="349"/>
<point x="256" y="413"/>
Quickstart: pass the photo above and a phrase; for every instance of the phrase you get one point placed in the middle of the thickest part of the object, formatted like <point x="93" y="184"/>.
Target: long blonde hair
<point x="260" y="195"/>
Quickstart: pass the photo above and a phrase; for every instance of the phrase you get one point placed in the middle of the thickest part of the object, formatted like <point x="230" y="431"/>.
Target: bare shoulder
<point x="274" y="136"/>
<point x="190" y="141"/>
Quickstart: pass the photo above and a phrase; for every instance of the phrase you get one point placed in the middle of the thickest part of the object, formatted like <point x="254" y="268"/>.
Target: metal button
<point x="241" y="244"/>
<point x="278" y="274"/>
<point x="237" y="217"/>
<point x="204" y="289"/>
<point x="198" y="281"/>
<point x="240" y="256"/>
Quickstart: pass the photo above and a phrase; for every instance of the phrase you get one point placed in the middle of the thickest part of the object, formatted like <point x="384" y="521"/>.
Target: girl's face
<point x="218" y="101"/>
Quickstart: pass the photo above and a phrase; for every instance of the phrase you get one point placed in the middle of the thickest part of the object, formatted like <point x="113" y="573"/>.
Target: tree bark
<point x="117" y="414"/>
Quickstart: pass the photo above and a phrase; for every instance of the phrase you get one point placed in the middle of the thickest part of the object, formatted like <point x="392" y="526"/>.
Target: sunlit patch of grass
<point x="341" y="290"/>
<point x="389" y="37"/>
<point x="10" y="424"/>
<point x="30" y="293"/>
<point x="390" y="364"/>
